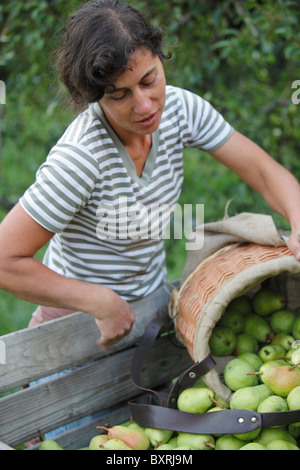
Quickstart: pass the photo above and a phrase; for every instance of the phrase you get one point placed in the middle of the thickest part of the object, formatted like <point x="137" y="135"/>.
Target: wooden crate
<point x="101" y="384"/>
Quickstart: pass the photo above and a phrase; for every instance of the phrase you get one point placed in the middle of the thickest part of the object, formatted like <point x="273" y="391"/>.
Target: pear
<point x="173" y="441"/>
<point x="265" y="301"/>
<point x="253" y="446"/>
<point x="236" y="374"/>
<point x="233" y="319"/>
<point x="295" y="357"/>
<point x="49" y="444"/>
<point x="195" y="400"/>
<point x="242" y="303"/>
<point x="222" y="341"/>
<point x="252" y="358"/>
<point x="281" y="379"/>
<point x="271" y="352"/>
<point x="293" y="401"/>
<point x="248" y="436"/>
<point x="268" y="435"/>
<point x="272" y="404"/>
<point x="115" y="444"/>
<point x="282" y="321"/>
<point x="183" y="448"/>
<point x="249" y="398"/>
<point x="228" y="442"/>
<point x="158" y="437"/>
<point x="283" y="340"/>
<point x="296" y="328"/>
<point x="96" y="443"/>
<point x="135" y="438"/>
<point x="165" y="447"/>
<point x="258" y="327"/>
<point x="294" y="430"/>
<point x="280" y="444"/>
<point x="245" y="343"/>
<point x="196" y="441"/>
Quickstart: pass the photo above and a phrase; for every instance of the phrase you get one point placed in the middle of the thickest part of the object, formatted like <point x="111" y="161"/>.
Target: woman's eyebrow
<point x="125" y="88"/>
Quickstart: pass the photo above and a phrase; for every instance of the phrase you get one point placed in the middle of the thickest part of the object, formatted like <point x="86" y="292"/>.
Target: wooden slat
<point x="84" y="391"/>
<point x="57" y="345"/>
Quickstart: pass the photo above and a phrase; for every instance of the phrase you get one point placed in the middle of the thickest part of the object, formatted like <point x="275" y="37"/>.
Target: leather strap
<point x="164" y="415"/>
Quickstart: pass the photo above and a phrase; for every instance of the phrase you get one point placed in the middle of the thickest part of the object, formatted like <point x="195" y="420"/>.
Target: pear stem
<point x="102" y="427"/>
<point x="209" y="444"/>
<point x="254" y="373"/>
<point x="294" y="366"/>
<point x="217" y="402"/>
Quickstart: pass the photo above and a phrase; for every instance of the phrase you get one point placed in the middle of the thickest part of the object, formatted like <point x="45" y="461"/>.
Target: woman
<point x="124" y="150"/>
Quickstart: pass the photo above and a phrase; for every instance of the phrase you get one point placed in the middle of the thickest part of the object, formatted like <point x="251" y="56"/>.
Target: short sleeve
<point x="63" y="186"/>
<point x="206" y="127"/>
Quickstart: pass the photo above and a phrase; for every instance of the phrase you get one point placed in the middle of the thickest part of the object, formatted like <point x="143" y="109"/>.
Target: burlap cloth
<point x="238" y="253"/>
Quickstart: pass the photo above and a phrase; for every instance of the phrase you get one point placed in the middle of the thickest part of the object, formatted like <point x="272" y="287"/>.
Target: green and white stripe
<point x="88" y="173"/>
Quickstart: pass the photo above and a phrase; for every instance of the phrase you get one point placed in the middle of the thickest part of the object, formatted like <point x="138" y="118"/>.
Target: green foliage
<point x="242" y="56"/>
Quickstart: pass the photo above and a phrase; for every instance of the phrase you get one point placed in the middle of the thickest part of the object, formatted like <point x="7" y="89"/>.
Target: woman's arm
<point x="277" y="185"/>
<point x="25" y="277"/>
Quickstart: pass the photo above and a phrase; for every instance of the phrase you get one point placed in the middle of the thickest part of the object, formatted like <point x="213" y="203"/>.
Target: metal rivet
<point x="240" y="420"/>
<point x="254" y="419"/>
<point x="192" y="375"/>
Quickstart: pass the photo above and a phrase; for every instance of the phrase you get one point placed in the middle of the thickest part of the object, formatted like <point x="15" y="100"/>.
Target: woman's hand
<point x="114" y="316"/>
<point x="294" y="242"/>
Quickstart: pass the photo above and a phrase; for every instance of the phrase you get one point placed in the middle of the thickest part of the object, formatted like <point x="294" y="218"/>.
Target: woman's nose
<point x="142" y="103"/>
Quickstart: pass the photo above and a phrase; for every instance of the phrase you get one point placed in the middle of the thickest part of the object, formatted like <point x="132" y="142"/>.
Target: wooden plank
<point x="57" y="345"/>
<point x="84" y="391"/>
<point x="78" y="437"/>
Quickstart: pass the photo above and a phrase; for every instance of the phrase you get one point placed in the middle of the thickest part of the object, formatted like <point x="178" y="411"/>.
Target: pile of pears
<point x="261" y="339"/>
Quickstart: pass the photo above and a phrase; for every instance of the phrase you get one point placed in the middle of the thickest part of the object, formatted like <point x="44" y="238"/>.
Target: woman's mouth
<point x="148" y="121"/>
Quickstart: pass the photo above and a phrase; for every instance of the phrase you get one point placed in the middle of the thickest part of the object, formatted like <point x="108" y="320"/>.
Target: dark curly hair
<point x="97" y="43"/>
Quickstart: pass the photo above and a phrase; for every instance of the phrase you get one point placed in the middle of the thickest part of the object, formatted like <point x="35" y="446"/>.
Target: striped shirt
<point x="107" y="220"/>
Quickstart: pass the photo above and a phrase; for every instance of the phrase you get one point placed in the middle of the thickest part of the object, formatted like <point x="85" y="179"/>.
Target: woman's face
<point x="136" y="105"/>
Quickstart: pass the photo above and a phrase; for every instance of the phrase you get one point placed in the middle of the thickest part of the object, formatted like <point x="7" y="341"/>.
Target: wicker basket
<point x="232" y="271"/>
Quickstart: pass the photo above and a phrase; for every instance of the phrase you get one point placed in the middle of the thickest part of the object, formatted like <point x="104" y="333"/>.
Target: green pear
<point x="245" y="343"/>
<point x="183" y="448"/>
<point x="173" y="441"/>
<point x="228" y="442"/>
<point x="293" y="401"/>
<point x="271" y="352"/>
<point x="253" y="446"/>
<point x="283" y="340"/>
<point x="282" y="321"/>
<point x="196" y="441"/>
<point x="236" y="374"/>
<point x="252" y="358"/>
<point x="265" y="301"/>
<point x="249" y="398"/>
<point x="195" y="400"/>
<point x="115" y="444"/>
<point x="49" y="444"/>
<point x="294" y="430"/>
<point x="233" y="319"/>
<point x="295" y="357"/>
<point x="272" y="404"/>
<point x="248" y="436"/>
<point x="199" y="383"/>
<point x="222" y="341"/>
<point x="133" y="437"/>
<point x="158" y="437"/>
<point x="296" y="328"/>
<point x="165" y="447"/>
<point x="242" y="303"/>
<point x="280" y="444"/>
<point x="281" y="379"/>
<point x="96" y="443"/>
<point x="269" y="434"/>
<point x="258" y="327"/>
